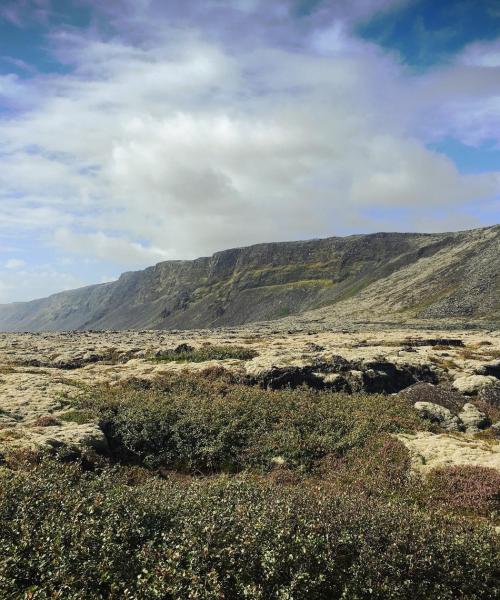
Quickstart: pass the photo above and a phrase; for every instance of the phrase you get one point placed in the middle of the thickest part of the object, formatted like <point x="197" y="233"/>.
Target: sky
<point x="136" y="131"/>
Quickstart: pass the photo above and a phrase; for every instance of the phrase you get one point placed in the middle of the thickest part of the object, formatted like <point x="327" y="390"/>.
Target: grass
<point x="206" y="353"/>
<point x="76" y="416"/>
<point x="354" y="289"/>
<point x="283" y="312"/>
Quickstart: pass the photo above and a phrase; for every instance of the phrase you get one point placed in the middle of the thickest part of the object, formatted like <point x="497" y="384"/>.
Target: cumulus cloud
<point x="175" y="144"/>
<point x="103" y="246"/>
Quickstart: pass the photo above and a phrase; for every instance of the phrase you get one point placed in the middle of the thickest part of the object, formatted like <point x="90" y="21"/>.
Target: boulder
<point x="491" y="368"/>
<point x="439" y="415"/>
<point x="436" y="394"/>
<point x="473" y="419"/>
<point x="491" y="395"/>
<point x="472" y="384"/>
<point x="339" y="364"/>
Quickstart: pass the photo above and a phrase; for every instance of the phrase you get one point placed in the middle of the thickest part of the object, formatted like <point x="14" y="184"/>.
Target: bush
<point x="73" y="535"/>
<point x="465" y="488"/>
<point x="186" y="353"/>
<point x="381" y="467"/>
<point x="210" y="425"/>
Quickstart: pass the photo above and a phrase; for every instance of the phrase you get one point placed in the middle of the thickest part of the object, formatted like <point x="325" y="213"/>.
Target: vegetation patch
<point x="215" y="490"/>
<point x="66" y="533"/>
<point x="185" y="353"/>
<point x="46" y="421"/>
<point x="465" y="488"/>
<point x="76" y="416"/>
<point x="210" y="424"/>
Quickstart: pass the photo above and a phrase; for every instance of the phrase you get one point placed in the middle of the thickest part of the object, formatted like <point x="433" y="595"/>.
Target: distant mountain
<point x="379" y="276"/>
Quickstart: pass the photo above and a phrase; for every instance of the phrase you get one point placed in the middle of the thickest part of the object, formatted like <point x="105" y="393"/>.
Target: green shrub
<point x="198" y="424"/>
<point x="185" y="353"/>
<point x="73" y="535"/>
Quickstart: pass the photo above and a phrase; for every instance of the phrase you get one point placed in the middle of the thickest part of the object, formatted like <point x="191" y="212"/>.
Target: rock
<point x="356" y="381"/>
<point x="438" y="414"/>
<point x="376" y="382"/>
<point x="278" y="378"/>
<point x="439" y="341"/>
<point x="436" y="394"/>
<point x="312" y="347"/>
<point x="430" y="451"/>
<point x="338" y="364"/>
<point x="368" y="376"/>
<point x="490" y="394"/>
<point x="335" y="382"/>
<point x="382" y="376"/>
<point x="473" y="419"/>
<point x="491" y="368"/>
<point x="472" y="384"/>
<point x="495" y="428"/>
<point x="183" y="348"/>
<point x="68" y="435"/>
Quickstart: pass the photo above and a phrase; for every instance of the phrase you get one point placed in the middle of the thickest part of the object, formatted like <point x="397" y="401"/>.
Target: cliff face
<point x="424" y="275"/>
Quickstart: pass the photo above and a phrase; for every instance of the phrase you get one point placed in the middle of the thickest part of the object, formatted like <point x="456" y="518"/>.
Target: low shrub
<point x="185" y="353"/>
<point x="381" y="467"/>
<point x="74" y="535"/>
<point x="210" y="425"/>
<point x="46" y="421"/>
<point x="492" y="412"/>
<point x="464" y="488"/>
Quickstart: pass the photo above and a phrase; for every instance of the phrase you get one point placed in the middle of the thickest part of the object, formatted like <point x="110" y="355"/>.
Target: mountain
<point x="365" y="277"/>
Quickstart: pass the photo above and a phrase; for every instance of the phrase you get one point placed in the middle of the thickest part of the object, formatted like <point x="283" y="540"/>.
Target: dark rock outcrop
<point x="271" y="281"/>
<point x="371" y="377"/>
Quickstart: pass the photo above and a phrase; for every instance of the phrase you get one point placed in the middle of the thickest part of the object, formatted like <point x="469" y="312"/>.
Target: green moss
<point x="294" y="285"/>
<point x="354" y="289"/>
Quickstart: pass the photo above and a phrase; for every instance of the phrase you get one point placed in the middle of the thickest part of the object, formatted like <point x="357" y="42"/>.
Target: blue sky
<point x="134" y="131"/>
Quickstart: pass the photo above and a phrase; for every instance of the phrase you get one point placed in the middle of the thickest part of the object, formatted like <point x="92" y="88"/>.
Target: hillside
<point x="378" y="276"/>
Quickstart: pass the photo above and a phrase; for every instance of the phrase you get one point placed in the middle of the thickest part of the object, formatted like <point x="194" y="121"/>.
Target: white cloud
<point x="34" y="283"/>
<point x="103" y="246"/>
<point x="181" y="146"/>
<point x="14" y="263"/>
<point x="482" y="54"/>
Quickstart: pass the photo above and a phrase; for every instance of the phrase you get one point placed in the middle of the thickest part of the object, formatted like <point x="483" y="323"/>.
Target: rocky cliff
<point x="422" y="276"/>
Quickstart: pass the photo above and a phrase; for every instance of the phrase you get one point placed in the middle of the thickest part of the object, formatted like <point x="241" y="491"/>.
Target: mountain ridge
<point x="269" y="281"/>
